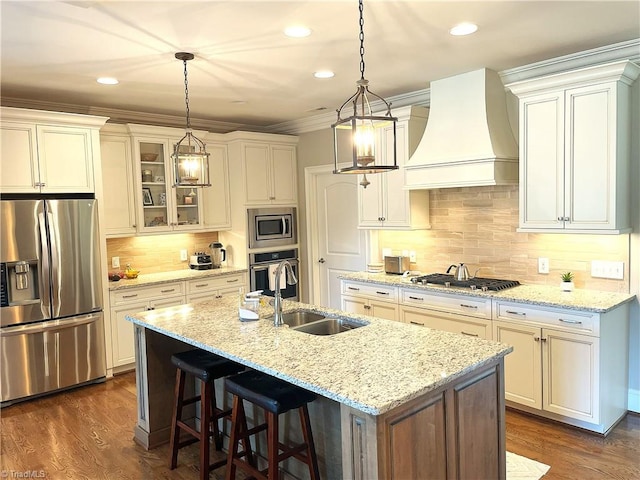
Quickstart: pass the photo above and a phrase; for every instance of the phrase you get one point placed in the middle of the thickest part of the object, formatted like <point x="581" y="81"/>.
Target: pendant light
<point x="362" y="123"/>
<point x="190" y="158"/>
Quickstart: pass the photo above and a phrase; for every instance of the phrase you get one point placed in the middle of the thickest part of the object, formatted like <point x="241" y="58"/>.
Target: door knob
<point x="322" y="260"/>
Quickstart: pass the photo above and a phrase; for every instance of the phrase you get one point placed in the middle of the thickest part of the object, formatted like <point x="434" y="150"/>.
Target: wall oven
<point x="262" y="268"/>
<point x="272" y="227"/>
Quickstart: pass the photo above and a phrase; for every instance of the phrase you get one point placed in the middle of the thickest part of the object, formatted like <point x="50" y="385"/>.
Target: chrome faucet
<point x="277" y="299"/>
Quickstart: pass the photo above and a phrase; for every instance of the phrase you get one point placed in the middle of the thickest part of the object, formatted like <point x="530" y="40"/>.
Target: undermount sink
<point x="301" y="317"/>
<point x="329" y="326"/>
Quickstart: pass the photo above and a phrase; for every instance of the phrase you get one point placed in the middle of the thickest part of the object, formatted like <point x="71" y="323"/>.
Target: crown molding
<point x="128" y="116"/>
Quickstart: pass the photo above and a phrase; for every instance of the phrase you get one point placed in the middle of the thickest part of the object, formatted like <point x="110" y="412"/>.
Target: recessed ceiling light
<point x="297" y="31"/>
<point x="108" y="81"/>
<point x="323" y="74"/>
<point x="464" y="28"/>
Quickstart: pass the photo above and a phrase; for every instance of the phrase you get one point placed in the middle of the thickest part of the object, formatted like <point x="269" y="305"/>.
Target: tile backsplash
<point x="477" y="226"/>
<point x="157" y="253"/>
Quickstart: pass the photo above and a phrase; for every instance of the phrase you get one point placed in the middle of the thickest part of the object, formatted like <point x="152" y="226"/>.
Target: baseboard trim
<point x="634" y="400"/>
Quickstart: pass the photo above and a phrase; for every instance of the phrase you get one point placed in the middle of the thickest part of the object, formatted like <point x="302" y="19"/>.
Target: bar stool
<point x="206" y="367"/>
<point x="275" y="397"/>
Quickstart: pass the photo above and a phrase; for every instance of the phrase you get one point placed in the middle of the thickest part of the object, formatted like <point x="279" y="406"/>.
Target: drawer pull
<point x="367" y="307"/>
<point x="523" y="314"/>
<point x="416" y="298"/>
<point x="168" y="290"/>
<point x="354" y="288"/>
<point x="469" y="334"/>
<point x="464" y="305"/>
<point x="218" y="296"/>
<point x="233" y="280"/>
<point x="382" y="293"/>
<point x="416" y="323"/>
<point x="200" y="285"/>
<point x="573" y="322"/>
<point x="150" y="308"/>
<point x="130" y="296"/>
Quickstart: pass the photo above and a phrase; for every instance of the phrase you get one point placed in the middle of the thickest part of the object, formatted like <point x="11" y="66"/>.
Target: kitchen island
<point x="395" y="400"/>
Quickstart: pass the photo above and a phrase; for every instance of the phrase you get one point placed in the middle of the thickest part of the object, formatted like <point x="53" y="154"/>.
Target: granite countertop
<point x="373" y="369"/>
<point x="172" y="276"/>
<point x="544" y="295"/>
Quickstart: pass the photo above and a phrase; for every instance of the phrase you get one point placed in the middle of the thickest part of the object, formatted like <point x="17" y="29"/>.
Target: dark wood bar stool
<point x="206" y="367"/>
<point x="275" y="397"/>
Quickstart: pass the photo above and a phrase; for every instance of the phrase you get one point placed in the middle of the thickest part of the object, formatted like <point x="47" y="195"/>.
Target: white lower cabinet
<point x="451" y="313"/>
<point x="133" y="300"/>
<point x="205" y="289"/>
<point x="568" y="365"/>
<point x="370" y="299"/>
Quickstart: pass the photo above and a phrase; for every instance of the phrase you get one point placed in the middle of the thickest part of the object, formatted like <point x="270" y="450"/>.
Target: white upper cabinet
<point x="268" y="167"/>
<point x="384" y="204"/>
<point x="575" y="150"/>
<point x="48" y="152"/>
<point x="117" y="182"/>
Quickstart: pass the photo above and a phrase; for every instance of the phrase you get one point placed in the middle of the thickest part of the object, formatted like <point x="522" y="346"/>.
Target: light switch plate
<point x="183" y="255"/>
<point x="115" y="262"/>
<point x="412" y="256"/>
<point x="543" y="265"/>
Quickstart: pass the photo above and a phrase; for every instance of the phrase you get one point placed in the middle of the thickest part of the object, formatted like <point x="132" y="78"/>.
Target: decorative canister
<point x="147" y="176"/>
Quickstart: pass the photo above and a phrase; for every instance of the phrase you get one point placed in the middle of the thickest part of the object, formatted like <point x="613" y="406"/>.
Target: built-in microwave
<point x="272" y="227"/>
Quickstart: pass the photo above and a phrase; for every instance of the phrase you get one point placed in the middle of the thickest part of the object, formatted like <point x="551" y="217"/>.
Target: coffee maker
<point x="218" y="254"/>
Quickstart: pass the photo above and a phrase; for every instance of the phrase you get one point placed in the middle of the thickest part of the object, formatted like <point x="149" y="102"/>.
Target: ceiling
<point x="247" y="72"/>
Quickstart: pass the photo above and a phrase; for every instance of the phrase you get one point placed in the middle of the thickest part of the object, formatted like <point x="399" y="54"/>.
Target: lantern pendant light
<point x="190" y="158"/>
<point x="362" y="123"/>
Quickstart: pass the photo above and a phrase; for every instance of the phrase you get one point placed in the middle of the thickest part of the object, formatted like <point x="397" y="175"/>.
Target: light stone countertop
<point x="373" y="369"/>
<point x="145" y="279"/>
<point x="543" y="295"/>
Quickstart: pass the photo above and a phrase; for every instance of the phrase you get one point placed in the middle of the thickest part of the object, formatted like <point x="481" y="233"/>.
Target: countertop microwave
<point x="272" y="227"/>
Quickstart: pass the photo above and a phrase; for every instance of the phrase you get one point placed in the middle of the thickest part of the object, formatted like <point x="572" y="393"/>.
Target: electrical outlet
<point x="183" y="255"/>
<point x="543" y="265"/>
<point x="412" y="256"/>
<point x="602" y="269"/>
<point x="115" y="262"/>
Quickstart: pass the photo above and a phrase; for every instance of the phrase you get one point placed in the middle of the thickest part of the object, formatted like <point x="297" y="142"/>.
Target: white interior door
<point x="336" y="245"/>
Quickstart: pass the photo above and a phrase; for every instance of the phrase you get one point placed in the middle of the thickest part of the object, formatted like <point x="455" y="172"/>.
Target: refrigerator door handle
<point x="49" y="326"/>
<point x="55" y="263"/>
<point x="45" y="277"/>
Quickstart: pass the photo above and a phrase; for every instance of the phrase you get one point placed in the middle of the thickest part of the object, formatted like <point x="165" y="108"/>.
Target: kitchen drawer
<point x="443" y="302"/>
<point x="211" y="284"/>
<point x="548" y="317"/>
<point x="136" y="294"/>
<point x="370" y="290"/>
<point x="464" y="325"/>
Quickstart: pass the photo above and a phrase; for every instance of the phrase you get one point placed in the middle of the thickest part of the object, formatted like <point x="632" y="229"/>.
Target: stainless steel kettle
<point x="218" y="254"/>
<point x="461" y="272"/>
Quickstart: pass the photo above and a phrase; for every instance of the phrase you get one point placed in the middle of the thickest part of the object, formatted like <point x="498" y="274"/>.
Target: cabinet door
<point x="117" y="181"/>
<point x="355" y="305"/>
<point x="65" y="158"/>
<point x="522" y="367"/>
<point x="19" y="158"/>
<point x="257" y="171"/>
<point x="284" y="175"/>
<point x="571" y="375"/>
<point x="388" y="311"/>
<point x="152" y="172"/>
<point x="370" y="208"/>
<point x="542" y="161"/>
<point x="122" y="337"/>
<point x="395" y="200"/>
<point x="216" y="207"/>
<point x="590" y="157"/>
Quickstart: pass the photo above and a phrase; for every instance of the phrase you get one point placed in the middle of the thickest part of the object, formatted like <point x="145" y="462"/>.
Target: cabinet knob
<point x="272" y="198"/>
<point x="367" y="307"/>
<point x="543" y="339"/>
<point x="537" y="339"/>
<point x="134" y="225"/>
<point x="322" y="260"/>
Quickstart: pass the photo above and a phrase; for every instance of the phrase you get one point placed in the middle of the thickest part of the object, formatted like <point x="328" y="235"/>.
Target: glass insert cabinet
<point x="163" y="207"/>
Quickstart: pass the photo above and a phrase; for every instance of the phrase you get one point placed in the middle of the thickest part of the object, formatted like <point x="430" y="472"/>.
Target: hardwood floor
<point x="87" y="434"/>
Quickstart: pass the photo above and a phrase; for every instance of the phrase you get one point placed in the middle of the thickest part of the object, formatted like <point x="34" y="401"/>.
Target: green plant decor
<point x="567" y="277"/>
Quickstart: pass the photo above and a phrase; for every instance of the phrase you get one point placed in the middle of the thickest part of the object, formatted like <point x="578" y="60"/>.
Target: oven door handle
<point x="258" y="268"/>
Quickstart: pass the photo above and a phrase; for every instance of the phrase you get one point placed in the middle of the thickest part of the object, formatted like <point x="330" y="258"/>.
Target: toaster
<point x="396" y="264"/>
<point x="200" y="261"/>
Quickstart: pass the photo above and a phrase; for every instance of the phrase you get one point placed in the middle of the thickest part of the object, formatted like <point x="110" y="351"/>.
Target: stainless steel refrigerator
<point x="52" y="333"/>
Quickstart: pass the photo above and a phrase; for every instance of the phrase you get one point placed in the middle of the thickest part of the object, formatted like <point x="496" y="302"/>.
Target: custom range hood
<point x="468" y="140"/>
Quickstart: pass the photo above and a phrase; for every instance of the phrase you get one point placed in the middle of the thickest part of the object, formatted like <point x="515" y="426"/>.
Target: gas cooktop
<point x="484" y="284"/>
